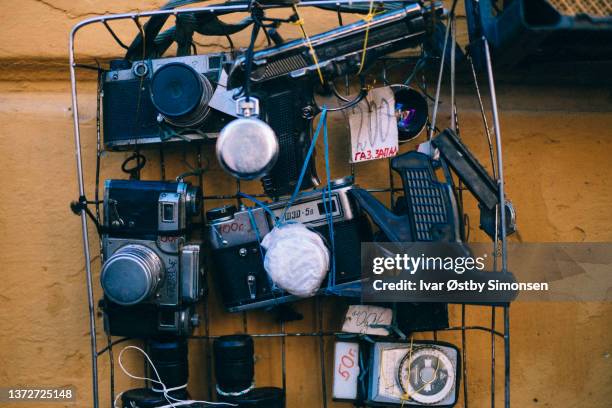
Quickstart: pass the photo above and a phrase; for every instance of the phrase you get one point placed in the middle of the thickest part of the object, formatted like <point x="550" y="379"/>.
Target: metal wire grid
<point x="499" y="247"/>
<point x="598" y="8"/>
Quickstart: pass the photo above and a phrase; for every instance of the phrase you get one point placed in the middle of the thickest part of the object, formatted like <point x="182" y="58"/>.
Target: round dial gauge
<point x="426" y="375"/>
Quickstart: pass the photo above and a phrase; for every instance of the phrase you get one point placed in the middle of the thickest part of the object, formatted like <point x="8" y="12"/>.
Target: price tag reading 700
<point x="373" y="127"/>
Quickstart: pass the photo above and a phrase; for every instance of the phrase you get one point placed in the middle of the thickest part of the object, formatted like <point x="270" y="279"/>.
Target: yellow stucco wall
<point x="557" y="146"/>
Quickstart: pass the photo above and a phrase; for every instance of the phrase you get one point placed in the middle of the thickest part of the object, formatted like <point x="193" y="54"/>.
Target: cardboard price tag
<point x="346" y="370"/>
<point x="373" y="127"/>
<point x="360" y="318"/>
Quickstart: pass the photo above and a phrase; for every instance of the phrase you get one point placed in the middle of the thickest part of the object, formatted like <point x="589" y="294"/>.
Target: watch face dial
<point x="426" y="375"/>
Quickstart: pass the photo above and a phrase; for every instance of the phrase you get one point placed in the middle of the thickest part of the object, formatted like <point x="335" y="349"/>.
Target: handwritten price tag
<point x="346" y="370"/>
<point x="373" y="127"/>
<point x="360" y="318"/>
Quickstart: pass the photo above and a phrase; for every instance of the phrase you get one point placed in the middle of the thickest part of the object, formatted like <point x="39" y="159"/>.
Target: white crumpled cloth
<point x="296" y="259"/>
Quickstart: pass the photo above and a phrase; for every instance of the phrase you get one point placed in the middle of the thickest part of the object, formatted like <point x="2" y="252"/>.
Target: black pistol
<point x="283" y="77"/>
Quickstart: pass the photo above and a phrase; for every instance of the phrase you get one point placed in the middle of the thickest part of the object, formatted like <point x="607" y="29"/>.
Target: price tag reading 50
<point x="346" y="370"/>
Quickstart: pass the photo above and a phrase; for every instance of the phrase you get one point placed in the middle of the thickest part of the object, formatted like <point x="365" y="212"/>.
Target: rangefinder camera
<point x="152" y="273"/>
<point x="233" y="238"/>
<point x="161" y="100"/>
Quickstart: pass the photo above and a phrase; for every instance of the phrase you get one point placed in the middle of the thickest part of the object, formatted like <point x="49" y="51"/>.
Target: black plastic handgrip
<point x="395" y="227"/>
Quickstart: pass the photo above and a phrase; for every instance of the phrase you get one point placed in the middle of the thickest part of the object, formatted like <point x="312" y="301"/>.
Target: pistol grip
<point x="395" y="227"/>
<point x="431" y="206"/>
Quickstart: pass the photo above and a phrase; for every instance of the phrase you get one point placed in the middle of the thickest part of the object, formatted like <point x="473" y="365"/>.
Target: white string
<point x="172" y="402"/>
<point x="237" y="393"/>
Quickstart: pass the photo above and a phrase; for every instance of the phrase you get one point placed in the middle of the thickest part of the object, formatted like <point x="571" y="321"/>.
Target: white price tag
<point x="373" y="126"/>
<point x="346" y="370"/>
<point x="360" y="318"/>
<point x="222" y="99"/>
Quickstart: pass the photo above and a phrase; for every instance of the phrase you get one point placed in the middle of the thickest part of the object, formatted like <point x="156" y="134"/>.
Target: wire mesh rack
<point x="499" y="246"/>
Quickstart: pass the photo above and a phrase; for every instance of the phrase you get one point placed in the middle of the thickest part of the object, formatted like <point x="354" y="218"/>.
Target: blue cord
<point x="256" y="229"/>
<point x="329" y="213"/>
<point x="258" y="236"/>
<point x="261" y="204"/>
<point x="322" y="121"/>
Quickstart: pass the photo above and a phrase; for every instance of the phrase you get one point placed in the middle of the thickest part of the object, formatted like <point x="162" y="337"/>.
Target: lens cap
<point x="262" y="397"/>
<point x="131" y="274"/>
<point x="176" y="89"/>
<point x="147" y="398"/>
<point x="247" y="148"/>
<point x="142" y="398"/>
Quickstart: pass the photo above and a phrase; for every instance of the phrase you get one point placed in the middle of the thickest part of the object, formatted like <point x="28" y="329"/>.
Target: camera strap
<point x="300" y="23"/>
<point x="368" y="18"/>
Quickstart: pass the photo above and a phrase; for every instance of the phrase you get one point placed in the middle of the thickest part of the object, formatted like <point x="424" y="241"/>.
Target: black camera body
<point x="161" y="100"/>
<point x="152" y="274"/>
<point x="288" y="108"/>
<point x="244" y="283"/>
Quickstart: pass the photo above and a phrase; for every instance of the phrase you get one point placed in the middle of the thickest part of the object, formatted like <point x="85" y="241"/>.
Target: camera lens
<point x="263" y="397"/>
<point x="234" y="364"/>
<point x="131" y="274"/>
<point x="170" y="360"/>
<point x="181" y="94"/>
<point x="193" y="200"/>
<point x="411" y="111"/>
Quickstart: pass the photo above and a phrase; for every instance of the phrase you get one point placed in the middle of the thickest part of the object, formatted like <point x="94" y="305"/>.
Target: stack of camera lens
<point x="234" y="369"/>
<point x="169" y="357"/>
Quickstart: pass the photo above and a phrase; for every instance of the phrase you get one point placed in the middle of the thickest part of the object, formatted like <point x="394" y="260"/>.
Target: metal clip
<point x="247" y="108"/>
<point x="251" y="283"/>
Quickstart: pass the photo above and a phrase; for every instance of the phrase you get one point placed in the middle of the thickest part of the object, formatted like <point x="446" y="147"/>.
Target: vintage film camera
<point x="399" y="373"/>
<point x="161" y="100"/>
<point x="152" y="273"/>
<point x="284" y="77"/>
<point x="233" y="240"/>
